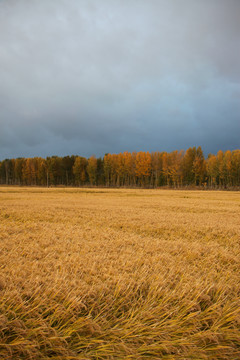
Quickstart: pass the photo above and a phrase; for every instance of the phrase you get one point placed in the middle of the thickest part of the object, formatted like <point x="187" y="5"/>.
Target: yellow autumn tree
<point x="143" y="166"/>
<point x="92" y="170"/>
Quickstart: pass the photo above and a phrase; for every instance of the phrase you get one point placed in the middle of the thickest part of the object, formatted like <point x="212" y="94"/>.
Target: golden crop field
<point x="119" y="274"/>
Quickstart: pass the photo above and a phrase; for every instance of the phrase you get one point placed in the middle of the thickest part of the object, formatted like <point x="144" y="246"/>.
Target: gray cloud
<point x="89" y="77"/>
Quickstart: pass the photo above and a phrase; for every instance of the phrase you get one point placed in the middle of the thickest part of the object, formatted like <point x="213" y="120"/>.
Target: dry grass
<point x="119" y="274"/>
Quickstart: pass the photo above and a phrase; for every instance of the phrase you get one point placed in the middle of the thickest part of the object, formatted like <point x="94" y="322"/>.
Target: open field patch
<point x="119" y="274"/>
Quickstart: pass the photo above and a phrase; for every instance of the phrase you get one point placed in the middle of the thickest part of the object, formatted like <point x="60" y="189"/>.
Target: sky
<point x="93" y="77"/>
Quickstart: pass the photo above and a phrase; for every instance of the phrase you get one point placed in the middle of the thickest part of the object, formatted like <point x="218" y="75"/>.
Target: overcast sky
<point x="95" y="76"/>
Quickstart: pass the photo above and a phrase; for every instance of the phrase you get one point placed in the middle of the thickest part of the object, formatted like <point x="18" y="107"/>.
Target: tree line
<point x="137" y="169"/>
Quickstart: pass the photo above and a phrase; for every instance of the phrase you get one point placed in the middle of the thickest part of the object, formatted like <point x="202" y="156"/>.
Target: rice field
<point x="119" y="274"/>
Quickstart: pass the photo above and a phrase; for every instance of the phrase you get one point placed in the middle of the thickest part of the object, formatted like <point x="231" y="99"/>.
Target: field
<point x="119" y="274"/>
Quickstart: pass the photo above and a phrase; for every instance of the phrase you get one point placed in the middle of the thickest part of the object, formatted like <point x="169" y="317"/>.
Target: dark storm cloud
<point x="92" y="76"/>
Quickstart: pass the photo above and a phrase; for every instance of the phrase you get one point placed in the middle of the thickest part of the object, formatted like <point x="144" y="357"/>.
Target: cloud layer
<point x="89" y="77"/>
